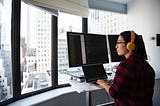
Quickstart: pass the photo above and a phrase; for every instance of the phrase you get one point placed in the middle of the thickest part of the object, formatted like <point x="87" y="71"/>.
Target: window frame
<point x="15" y="54"/>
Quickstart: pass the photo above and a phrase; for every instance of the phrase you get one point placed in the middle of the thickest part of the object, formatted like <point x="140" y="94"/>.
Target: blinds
<point x="76" y="7"/>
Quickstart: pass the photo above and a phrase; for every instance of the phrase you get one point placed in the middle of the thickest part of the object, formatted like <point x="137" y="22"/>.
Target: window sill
<point x="36" y="99"/>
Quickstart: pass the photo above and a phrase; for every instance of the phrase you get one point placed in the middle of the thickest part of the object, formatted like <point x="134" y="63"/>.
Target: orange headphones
<point x="130" y="45"/>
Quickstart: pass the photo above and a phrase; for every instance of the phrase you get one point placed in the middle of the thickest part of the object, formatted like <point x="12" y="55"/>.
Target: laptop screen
<point x="94" y="72"/>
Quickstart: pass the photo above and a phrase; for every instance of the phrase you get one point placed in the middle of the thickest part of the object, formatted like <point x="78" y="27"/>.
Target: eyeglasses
<point x="119" y="42"/>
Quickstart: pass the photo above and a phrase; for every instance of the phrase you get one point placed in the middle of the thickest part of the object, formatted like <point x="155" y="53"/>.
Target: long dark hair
<point x="139" y="44"/>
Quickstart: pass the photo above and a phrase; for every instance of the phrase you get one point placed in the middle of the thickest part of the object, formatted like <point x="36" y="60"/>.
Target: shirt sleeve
<point x="116" y="89"/>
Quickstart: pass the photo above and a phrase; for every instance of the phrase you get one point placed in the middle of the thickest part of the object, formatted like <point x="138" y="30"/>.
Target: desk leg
<point x="89" y="98"/>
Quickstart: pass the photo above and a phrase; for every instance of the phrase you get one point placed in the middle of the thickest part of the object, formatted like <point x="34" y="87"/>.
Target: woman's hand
<point x="104" y="84"/>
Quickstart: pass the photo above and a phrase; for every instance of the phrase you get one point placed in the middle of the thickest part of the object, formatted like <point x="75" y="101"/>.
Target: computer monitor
<point x="96" y="49"/>
<point x="74" y="49"/>
<point x="86" y="49"/>
<point x="112" y="39"/>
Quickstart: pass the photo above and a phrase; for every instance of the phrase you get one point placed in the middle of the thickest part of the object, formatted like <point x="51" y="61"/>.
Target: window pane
<point x="5" y="50"/>
<point x="66" y="22"/>
<point x="104" y="22"/>
<point x="35" y="48"/>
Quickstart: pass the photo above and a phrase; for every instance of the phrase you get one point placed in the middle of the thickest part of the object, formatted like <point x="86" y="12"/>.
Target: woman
<point x="133" y="83"/>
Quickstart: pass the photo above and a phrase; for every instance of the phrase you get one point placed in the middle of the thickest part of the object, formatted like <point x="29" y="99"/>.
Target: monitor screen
<point x="86" y="49"/>
<point x="74" y="49"/>
<point x="112" y="39"/>
<point x="94" y="72"/>
<point x="96" y="49"/>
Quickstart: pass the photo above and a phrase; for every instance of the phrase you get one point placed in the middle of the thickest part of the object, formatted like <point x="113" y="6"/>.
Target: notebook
<point x="94" y="72"/>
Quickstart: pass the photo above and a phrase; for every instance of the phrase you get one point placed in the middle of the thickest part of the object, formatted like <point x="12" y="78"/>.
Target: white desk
<point x="85" y="87"/>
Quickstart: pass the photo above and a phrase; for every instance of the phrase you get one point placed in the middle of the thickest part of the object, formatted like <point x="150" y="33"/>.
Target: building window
<point x="105" y="22"/>
<point x="35" y="44"/>
<point x="5" y="51"/>
<point x="34" y="74"/>
<point x="66" y="22"/>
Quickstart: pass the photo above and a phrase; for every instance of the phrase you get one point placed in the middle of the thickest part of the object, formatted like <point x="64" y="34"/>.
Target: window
<point x="5" y="51"/>
<point x="35" y="45"/>
<point x="35" y="62"/>
<point x="104" y="22"/>
<point x="66" y="22"/>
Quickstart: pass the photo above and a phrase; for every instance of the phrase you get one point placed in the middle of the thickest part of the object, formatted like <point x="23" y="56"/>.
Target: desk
<point x="85" y="87"/>
<point x="88" y="87"/>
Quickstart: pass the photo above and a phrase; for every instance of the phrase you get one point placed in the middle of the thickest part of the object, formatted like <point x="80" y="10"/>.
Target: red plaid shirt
<point x="133" y="84"/>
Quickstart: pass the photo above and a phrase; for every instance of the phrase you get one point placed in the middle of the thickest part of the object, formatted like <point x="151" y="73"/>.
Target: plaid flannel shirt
<point x="133" y="84"/>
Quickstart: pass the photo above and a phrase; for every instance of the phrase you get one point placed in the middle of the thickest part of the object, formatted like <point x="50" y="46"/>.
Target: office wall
<point x="144" y="18"/>
<point x="156" y="96"/>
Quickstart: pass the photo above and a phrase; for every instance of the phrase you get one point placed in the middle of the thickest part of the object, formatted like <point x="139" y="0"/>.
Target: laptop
<point x="94" y="72"/>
